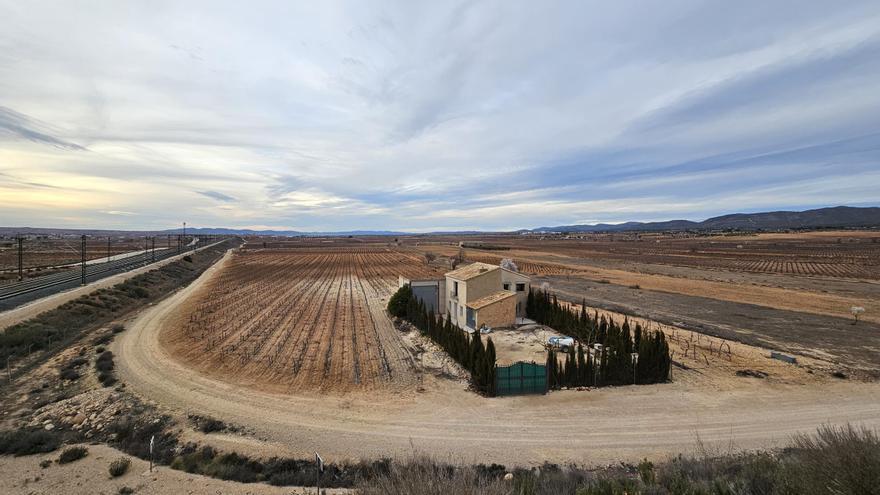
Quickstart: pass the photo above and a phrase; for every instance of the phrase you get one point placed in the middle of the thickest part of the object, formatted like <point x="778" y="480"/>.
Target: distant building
<point x="482" y="294"/>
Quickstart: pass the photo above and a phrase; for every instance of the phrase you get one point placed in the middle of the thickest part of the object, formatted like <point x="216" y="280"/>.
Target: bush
<point x="28" y="441"/>
<point x="106" y="379"/>
<point x="210" y="425"/>
<point x="104" y="365"/>
<point x="117" y="328"/>
<point x="399" y="301"/>
<point x="842" y="459"/>
<point x="69" y="374"/>
<point x="119" y="467"/>
<point x="133" y="437"/>
<point x="71" y="454"/>
<point x="76" y="362"/>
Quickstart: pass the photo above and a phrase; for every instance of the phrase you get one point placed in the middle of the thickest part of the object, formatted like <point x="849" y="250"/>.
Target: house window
<point x="520" y="287"/>
<point x="506" y="286"/>
<point x="455" y="289"/>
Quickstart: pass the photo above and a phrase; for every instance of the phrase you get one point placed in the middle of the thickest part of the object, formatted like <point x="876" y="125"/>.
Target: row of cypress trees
<point x="467" y="350"/>
<point x="614" y="364"/>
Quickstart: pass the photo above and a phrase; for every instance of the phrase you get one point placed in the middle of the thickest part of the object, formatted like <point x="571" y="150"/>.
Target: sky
<point x="426" y="116"/>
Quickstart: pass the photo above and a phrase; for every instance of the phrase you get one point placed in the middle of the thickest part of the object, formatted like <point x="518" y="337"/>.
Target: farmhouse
<point x="482" y="294"/>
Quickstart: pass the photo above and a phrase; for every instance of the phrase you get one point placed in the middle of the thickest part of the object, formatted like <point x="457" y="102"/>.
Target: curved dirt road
<point x="603" y="426"/>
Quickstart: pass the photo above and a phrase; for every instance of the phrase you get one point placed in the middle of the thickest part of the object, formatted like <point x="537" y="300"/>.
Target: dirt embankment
<point x="90" y="476"/>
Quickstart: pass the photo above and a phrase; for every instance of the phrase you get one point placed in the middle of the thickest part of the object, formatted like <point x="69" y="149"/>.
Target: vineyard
<point x="300" y="319"/>
<point x="852" y="255"/>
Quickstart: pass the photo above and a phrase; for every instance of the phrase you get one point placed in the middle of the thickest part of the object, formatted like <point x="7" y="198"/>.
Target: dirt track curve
<point x="596" y="427"/>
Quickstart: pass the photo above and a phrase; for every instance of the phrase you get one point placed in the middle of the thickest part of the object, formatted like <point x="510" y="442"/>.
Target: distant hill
<point x="279" y="233"/>
<point x="839" y="216"/>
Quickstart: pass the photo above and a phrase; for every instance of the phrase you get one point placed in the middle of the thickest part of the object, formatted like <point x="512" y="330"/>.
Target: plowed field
<point x="294" y="320"/>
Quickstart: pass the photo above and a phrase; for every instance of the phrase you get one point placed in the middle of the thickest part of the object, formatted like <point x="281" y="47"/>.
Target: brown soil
<point x="298" y="320"/>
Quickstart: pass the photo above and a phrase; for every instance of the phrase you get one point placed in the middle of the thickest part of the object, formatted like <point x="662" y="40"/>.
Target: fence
<point x="520" y="378"/>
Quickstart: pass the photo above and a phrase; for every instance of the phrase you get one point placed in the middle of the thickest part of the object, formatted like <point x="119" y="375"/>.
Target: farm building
<point x="483" y="294"/>
<point x="431" y="292"/>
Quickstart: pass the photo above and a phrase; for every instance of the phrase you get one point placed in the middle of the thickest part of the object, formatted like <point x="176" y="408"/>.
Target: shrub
<point x="842" y="459"/>
<point x="106" y="379"/>
<point x="117" y="328"/>
<point x="76" y="362"/>
<point x="69" y="374"/>
<point x="124" y="490"/>
<point x="119" y="466"/>
<point x="399" y="301"/>
<point x="105" y="365"/>
<point x="28" y="441"/>
<point x="71" y="454"/>
<point x="210" y="425"/>
<point x="133" y="437"/>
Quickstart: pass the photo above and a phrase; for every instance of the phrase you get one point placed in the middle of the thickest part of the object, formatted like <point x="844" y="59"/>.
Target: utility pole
<point x="153" y="250"/>
<point x="83" y="259"/>
<point x="184" y="235"/>
<point x="20" y="259"/>
<point x="108" y="249"/>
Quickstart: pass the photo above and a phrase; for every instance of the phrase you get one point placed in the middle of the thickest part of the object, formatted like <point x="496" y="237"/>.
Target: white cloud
<point x="337" y="116"/>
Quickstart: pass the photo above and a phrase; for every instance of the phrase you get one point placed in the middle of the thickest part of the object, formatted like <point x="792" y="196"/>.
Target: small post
<point x="8" y="369"/>
<point x="153" y="249"/>
<point x="319" y="468"/>
<point x="83" y="259"/>
<point x="20" y="259"/>
<point x="152" y="442"/>
<point x="108" y="249"/>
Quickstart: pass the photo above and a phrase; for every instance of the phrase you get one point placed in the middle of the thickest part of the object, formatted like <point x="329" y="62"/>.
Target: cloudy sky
<point x="433" y="115"/>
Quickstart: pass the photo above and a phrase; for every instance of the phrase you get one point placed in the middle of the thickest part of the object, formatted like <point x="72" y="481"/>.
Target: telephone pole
<point x="108" y="249"/>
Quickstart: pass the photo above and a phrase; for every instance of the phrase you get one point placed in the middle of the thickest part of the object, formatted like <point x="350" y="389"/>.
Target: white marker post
<point x="152" y="442"/>
<point x="319" y="464"/>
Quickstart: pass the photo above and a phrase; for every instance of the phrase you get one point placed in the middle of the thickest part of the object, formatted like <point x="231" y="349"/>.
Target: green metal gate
<point x="521" y="378"/>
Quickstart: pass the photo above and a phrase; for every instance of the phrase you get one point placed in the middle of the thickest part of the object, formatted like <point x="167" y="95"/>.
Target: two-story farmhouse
<point x="481" y="294"/>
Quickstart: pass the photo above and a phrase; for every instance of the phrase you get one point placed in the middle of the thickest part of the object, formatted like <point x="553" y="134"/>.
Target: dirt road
<point x="594" y="427"/>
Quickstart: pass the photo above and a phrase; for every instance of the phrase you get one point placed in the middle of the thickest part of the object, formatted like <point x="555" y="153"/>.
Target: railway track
<point x="17" y="292"/>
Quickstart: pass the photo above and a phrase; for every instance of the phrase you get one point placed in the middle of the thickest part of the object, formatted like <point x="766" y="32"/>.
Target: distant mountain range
<point x="279" y="233"/>
<point x="836" y="217"/>
<point x="839" y="216"/>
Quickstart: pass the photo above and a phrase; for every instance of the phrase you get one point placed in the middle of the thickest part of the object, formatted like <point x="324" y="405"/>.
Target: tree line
<point x="467" y="350"/>
<point x="614" y="363"/>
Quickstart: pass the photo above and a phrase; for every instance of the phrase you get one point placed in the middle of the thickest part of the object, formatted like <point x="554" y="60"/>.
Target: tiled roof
<point x="472" y="270"/>
<point x="491" y="299"/>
